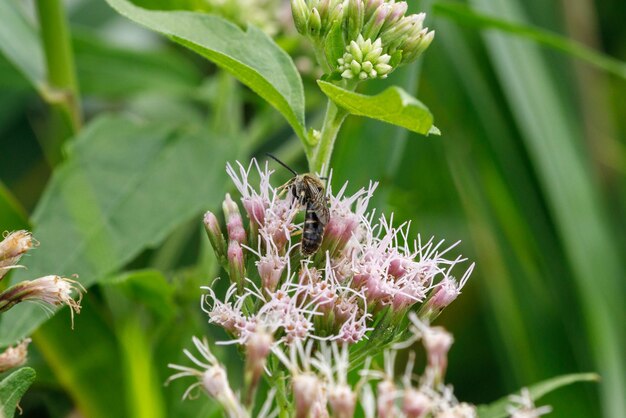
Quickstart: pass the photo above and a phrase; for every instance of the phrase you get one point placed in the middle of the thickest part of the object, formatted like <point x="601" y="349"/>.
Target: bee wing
<point x="317" y="197"/>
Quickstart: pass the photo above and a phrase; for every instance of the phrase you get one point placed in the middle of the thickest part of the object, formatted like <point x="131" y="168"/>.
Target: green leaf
<point x="12" y="388"/>
<point x="334" y="46"/>
<point x="112" y="71"/>
<point x="251" y="56"/>
<point x="19" y="43"/>
<point x="393" y="105"/>
<point x="12" y="215"/>
<point x="464" y="14"/>
<point x="124" y="187"/>
<point x="497" y="409"/>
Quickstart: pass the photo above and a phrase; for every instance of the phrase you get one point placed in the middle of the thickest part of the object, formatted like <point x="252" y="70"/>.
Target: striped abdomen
<point x="313" y="231"/>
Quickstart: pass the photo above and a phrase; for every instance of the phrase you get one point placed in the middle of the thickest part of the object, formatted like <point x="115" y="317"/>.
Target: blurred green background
<point x="530" y="173"/>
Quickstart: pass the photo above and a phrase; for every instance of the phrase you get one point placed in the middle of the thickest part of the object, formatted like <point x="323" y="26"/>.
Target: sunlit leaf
<point x="251" y="56"/>
<point x="393" y="105"/>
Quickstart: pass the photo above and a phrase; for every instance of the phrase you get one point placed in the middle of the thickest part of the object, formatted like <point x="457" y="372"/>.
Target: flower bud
<point x="416" y="45"/>
<point x="386" y="393"/>
<point x="14" y="356"/>
<point x="355" y="17"/>
<point x="363" y="60"/>
<point x="415" y="404"/>
<point x="375" y="22"/>
<point x="437" y="342"/>
<point x="300" y="13"/>
<point x="342" y="401"/>
<point x="371" y="6"/>
<point x="234" y="222"/>
<point x="236" y="266"/>
<point x="258" y="347"/>
<point x="12" y="247"/>
<point x="214" y="232"/>
<point x="314" y="24"/>
<point x="397" y="12"/>
<point x="306" y="390"/>
<point x="401" y="30"/>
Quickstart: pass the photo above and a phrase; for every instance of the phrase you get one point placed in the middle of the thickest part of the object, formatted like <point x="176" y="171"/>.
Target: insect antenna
<point x="281" y="163"/>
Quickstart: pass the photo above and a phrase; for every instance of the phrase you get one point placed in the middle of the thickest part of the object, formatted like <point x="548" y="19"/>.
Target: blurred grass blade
<point x="466" y="15"/>
<point x="553" y="142"/>
<point x="19" y="43"/>
<point x="251" y="56"/>
<point x="497" y="409"/>
<point x="124" y="187"/>
<point x="12" y="388"/>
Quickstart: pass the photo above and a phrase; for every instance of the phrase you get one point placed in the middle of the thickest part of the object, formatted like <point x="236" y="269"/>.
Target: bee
<point x="308" y="190"/>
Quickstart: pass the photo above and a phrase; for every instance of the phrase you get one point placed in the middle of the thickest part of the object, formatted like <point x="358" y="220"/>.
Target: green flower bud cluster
<point x="361" y="39"/>
<point x="364" y="59"/>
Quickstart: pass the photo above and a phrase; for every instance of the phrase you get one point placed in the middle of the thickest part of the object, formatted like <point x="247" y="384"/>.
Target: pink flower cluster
<point x="364" y="266"/>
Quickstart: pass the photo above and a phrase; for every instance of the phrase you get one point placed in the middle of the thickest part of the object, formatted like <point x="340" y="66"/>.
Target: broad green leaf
<point x="497" y="409"/>
<point x="464" y="14"/>
<point x="12" y="388"/>
<point x="393" y="105"/>
<point x="124" y="187"/>
<point x="251" y="56"/>
<point x="19" y="43"/>
<point x="115" y="72"/>
<point x="147" y="287"/>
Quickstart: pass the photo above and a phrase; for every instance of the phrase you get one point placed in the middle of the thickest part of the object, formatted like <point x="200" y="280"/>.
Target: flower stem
<point x="319" y="161"/>
<point x="62" y="88"/>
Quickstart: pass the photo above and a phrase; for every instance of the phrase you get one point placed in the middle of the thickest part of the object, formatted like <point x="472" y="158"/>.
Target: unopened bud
<point x="300" y="13"/>
<point x="401" y="30"/>
<point x="375" y="22"/>
<point x="234" y="222"/>
<point x="236" y="266"/>
<point x="314" y="24"/>
<point x="342" y="401"/>
<point x="437" y="342"/>
<point x="214" y="232"/>
<point x="258" y="347"/>
<point x="306" y="390"/>
<point x="415" y="46"/>
<point x="355" y="18"/>
<point x="415" y="404"/>
<point x="397" y="12"/>
<point x="14" y="357"/>
<point x="12" y="247"/>
<point x="386" y="393"/>
<point x="371" y="6"/>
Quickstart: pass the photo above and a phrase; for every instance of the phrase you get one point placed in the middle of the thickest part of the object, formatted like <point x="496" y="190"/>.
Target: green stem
<point x="319" y="160"/>
<point x="62" y="89"/>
